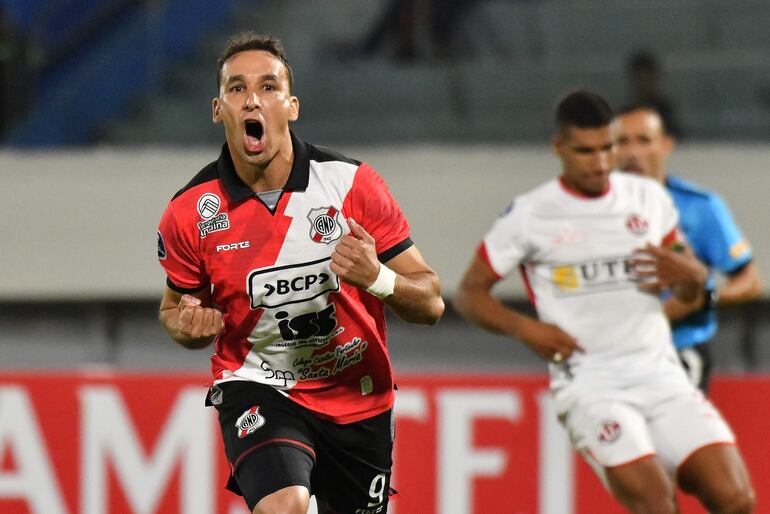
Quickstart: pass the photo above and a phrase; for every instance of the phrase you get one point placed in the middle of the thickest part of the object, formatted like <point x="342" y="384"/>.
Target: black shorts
<point x="272" y="443"/>
<point x="698" y="363"/>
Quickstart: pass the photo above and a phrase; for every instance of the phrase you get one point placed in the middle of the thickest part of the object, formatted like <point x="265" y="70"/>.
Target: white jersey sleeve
<point x="505" y="245"/>
<point x="669" y="215"/>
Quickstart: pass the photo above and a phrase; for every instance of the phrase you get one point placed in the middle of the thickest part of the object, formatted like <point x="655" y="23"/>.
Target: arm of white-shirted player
<point x="474" y="301"/>
<point x="689" y="275"/>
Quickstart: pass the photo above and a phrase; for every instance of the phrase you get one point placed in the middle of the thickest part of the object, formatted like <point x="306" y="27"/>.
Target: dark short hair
<point x="246" y="41"/>
<point x="645" y="106"/>
<point x="582" y="109"/>
<point x="642" y="61"/>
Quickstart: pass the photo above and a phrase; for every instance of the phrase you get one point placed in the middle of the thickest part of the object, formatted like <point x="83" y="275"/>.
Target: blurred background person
<point x="14" y="72"/>
<point x="644" y="146"/>
<point x="627" y="405"/>
<point x="415" y="30"/>
<point x="645" y="77"/>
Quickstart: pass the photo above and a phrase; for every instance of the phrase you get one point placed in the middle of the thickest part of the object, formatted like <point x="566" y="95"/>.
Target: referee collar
<point x="237" y="190"/>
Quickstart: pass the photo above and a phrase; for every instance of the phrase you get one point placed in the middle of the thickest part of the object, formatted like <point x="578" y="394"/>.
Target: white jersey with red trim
<point x="290" y="322"/>
<point x="574" y="253"/>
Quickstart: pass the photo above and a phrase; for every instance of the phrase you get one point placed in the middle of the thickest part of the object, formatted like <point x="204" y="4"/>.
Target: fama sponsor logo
<point x="592" y="276"/>
<point x="215" y="224"/>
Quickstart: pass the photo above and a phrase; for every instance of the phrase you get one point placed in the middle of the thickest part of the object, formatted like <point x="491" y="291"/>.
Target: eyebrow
<point x="242" y="78"/>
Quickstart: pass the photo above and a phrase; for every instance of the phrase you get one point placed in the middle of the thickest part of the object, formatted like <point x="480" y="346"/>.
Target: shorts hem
<point x="696" y="450"/>
<point x="276" y="441"/>
<point x="630" y="462"/>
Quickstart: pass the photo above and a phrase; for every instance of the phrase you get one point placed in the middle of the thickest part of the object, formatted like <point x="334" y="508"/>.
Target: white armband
<point x="385" y="283"/>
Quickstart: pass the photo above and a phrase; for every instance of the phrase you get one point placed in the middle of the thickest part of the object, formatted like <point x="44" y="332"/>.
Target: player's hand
<point x="354" y="259"/>
<point x="659" y="268"/>
<point x="197" y="322"/>
<point x="551" y="342"/>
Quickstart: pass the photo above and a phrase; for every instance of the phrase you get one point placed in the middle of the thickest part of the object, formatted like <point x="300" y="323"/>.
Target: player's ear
<point x="668" y="144"/>
<point x="216" y="117"/>
<point x="293" y="108"/>
<point x="556" y="143"/>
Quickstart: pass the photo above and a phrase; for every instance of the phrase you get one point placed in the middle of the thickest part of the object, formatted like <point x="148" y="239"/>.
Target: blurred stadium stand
<point x="133" y="73"/>
<point x="97" y="58"/>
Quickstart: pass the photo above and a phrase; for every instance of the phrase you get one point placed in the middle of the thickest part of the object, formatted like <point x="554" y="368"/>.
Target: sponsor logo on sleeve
<point x="739" y="248"/>
<point x="324" y="224"/>
<point x="295" y="283"/>
<point x="208" y="209"/>
<point x="249" y="422"/>
<point x="507" y="210"/>
<point x="161" y="247"/>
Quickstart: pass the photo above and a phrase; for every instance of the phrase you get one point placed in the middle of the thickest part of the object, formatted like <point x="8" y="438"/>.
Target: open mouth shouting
<point x="254" y="136"/>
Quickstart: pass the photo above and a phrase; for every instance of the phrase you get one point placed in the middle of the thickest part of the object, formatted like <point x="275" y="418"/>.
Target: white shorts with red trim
<point x="663" y="415"/>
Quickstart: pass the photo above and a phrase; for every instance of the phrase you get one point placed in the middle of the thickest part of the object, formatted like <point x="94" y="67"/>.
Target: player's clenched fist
<point x="196" y="321"/>
<point x="354" y="259"/>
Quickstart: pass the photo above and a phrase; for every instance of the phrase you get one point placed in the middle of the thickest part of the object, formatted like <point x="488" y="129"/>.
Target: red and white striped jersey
<point x="289" y="321"/>
<point x="573" y="252"/>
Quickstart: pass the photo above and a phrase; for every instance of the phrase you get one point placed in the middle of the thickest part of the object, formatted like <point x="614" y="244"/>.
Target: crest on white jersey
<point x="636" y="224"/>
<point x="249" y="422"/>
<point x="608" y="431"/>
<point x="324" y="224"/>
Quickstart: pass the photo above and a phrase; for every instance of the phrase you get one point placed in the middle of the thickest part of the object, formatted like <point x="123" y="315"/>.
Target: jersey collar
<point x="297" y="181"/>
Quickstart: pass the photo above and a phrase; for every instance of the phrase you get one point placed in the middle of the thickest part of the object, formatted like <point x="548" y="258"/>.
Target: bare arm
<point x="475" y="302"/>
<point x="738" y="288"/>
<point x="189" y="319"/>
<point x="416" y="296"/>
<point x="742" y="286"/>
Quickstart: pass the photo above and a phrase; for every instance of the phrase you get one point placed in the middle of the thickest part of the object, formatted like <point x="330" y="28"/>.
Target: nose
<point x="252" y="101"/>
<point x="602" y="161"/>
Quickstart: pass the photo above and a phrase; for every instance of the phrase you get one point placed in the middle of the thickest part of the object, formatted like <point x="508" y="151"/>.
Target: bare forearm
<point x="417" y="298"/>
<point x="742" y="287"/>
<point x="486" y="311"/>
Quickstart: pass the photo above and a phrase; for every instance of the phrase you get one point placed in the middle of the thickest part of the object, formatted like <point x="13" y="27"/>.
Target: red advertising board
<point x="125" y="443"/>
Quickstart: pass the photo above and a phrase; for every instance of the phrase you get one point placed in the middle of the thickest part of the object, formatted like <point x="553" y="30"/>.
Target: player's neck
<point x="269" y="176"/>
<point x="575" y="190"/>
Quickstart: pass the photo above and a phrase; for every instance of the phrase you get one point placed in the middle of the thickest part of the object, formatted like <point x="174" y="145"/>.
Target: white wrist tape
<point x="385" y="283"/>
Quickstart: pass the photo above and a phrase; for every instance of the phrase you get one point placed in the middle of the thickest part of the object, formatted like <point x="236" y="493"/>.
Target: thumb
<point x="188" y="301"/>
<point x="358" y="231"/>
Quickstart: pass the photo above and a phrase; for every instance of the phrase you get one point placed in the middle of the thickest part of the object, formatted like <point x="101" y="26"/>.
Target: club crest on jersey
<point x="213" y="221"/>
<point x="324" y="224"/>
<point x="636" y="224"/>
<point x="608" y="431"/>
<point x="249" y="422"/>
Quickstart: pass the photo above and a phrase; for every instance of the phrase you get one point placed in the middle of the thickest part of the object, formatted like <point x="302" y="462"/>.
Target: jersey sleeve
<point x="370" y="203"/>
<point x="504" y="246"/>
<point x="669" y="220"/>
<point x="179" y="256"/>
<point x="722" y="242"/>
